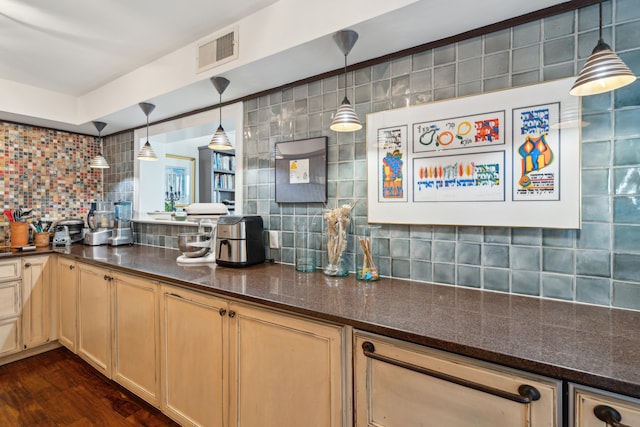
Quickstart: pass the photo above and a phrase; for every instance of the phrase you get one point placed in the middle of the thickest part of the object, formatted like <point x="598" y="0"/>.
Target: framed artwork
<point x="508" y="158"/>
<point x="179" y="184"/>
<point x="301" y="171"/>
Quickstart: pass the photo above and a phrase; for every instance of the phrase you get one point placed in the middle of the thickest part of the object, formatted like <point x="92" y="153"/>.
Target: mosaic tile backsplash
<point x="46" y="170"/>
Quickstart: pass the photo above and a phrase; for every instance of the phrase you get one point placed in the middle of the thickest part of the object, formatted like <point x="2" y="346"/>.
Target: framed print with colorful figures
<point x="508" y="158"/>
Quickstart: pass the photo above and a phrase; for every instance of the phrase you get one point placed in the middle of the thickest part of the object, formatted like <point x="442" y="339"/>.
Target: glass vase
<point x="367" y="254"/>
<point x="335" y="264"/>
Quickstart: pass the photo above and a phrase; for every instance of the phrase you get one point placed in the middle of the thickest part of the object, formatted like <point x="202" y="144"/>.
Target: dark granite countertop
<point x="594" y="346"/>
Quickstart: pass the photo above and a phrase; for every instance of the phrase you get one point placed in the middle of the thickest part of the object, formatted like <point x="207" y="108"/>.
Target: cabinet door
<point x="610" y="408"/>
<point x="193" y="342"/>
<point x="399" y="384"/>
<point x="9" y="336"/>
<point x="36" y="301"/>
<point x="67" y="303"/>
<point x="9" y="299"/>
<point x="285" y="370"/>
<point x="94" y="317"/>
<point x="135" y="336"/>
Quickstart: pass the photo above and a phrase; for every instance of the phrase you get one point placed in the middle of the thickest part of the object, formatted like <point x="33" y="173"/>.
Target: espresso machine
<point x="100" y="222"/>
<point x="122" y="233"/>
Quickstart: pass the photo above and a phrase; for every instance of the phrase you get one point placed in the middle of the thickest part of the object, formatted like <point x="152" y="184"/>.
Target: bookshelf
<point x="217" y="176"/>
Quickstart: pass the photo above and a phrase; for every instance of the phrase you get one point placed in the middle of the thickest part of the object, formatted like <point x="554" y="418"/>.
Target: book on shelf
<point x="224" y="162"/>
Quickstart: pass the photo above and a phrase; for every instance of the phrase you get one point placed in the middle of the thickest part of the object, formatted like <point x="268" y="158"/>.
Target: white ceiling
<point x="67" y="62"/>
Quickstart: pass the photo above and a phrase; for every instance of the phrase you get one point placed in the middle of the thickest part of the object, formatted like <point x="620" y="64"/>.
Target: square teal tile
<point x="525" y="258"/>
<point x="559" y="25"/>
<point x="557" y="286"/>
<point x="596" y="208"/>
<point x="470" y="48"/>
<point x="626" y="123"/>
<point x="626" y="295"/>
<point x="444" y="273"/>
<point x="558" y="260"/>
<point x="595" y="182"/>
<point x="593" y="263"/>
<point x="626" y="181"/>
<point x="497" y="41"/>
<point x="558" y="238"/>
<point x="497" y="235"/>
<point x="401" y="268"/>
<point x="596" y="154"/>
<point x="420" y="249"/>
<point x="626" y="238"/>
<point x="593" y="290"/>
<point x="496" y="279"/>
<point x="526" y="236"/>
<point x="525" y="282"/>
<point x="469" y="276"/>
<point x="443" y="251"/>
<point x="399" y="248"/>
<point x="625" y="267"/>
<point x="469" y="253"/>
<point x="626" y="209"/>
<point x="599" y="128"/>
<point x="495" y="255"/>
<point x="594" y="235"/>
<point x="421" y="270"/>
<point x="526" y="34"/>
<point x="626" y="152"/>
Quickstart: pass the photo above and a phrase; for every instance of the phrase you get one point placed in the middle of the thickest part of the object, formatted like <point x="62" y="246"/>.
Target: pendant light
<point x="146" y="152"/>
<point x="220" y="141"/>
<point x="604" y="70"/>
<point x="346" y="119"/>
<point x="99" y="162"/>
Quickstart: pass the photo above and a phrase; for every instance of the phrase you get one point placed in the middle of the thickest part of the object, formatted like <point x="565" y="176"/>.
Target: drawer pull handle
<point x="222" y="312"/>
<point x="526" y="393"/>
<point x="608" y="415"/>
<point x="27" y="264"/>
<point x="232" y="314"/>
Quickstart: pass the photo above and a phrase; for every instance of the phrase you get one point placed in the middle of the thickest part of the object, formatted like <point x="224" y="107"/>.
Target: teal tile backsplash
<point x="599" y="264"/>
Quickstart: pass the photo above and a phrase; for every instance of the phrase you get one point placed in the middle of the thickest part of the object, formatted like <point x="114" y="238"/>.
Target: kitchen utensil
<point x="122" y="233"/>
<point x="194" y="245"/>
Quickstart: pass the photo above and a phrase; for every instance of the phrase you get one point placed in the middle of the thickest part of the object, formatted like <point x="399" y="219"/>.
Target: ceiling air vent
<point x="217" y="51"/>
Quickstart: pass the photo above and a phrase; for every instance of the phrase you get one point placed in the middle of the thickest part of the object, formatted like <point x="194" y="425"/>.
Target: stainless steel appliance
<point x="122" y="233"/>
<point x="239" y="241"/>
<point x="100" y="222"/>
<point x="74" y="228"/>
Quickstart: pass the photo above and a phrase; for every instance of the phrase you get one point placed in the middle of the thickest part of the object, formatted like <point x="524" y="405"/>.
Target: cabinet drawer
<point x="586" y="402"/>
<point x="401" y="384"/>
<point x="9" y="299"/>
<point x="10" y="269"/>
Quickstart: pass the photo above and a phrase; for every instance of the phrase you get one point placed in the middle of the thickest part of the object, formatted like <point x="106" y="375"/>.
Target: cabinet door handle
<point x="71" y="267"/>
<point x="609" y="415"/>
<point x="107" y="277"/>
<point x="222" y="312"/>
<point x="232" y="314"/>
<point x="27" y="264"/>
<point x="526" y="393"/>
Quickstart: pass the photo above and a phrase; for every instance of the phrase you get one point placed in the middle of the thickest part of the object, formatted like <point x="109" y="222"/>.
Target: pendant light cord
<point x="345" y="76"/>
<point x="600" y="27"/>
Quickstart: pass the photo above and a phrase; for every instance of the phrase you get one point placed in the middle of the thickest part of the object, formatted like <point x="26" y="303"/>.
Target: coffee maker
<point x="100" y="222"/>
<point x="122" y="233"/>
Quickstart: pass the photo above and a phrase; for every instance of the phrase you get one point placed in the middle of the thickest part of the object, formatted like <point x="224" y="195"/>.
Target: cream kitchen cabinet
<point x="10" y="307"/>
<point x="224" y="360"/>
<point x="117" y="328"/>
<point x="401" y="384"/>
<point x="590" y="407"/>
<point x="194" y="345"/>
<point x="94" y="317"/>
<point x="136" y="324"/>
<point x="36" y="301"/>
<point x="67" y="272"/>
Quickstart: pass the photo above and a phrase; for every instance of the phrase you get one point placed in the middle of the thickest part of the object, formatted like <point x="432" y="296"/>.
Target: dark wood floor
<point x="57" y="388"/>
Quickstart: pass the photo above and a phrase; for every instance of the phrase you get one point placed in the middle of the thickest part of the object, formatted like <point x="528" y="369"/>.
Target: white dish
<point x="160" y="215"/>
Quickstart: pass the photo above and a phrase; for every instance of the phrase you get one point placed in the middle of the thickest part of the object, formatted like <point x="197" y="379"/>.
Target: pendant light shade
<point x="99" y="162"/>
<point x="146" y="152"/>
<point x="604" y="70"/>
<point x="220" y="141"/>
<point x="345" y="119"/>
